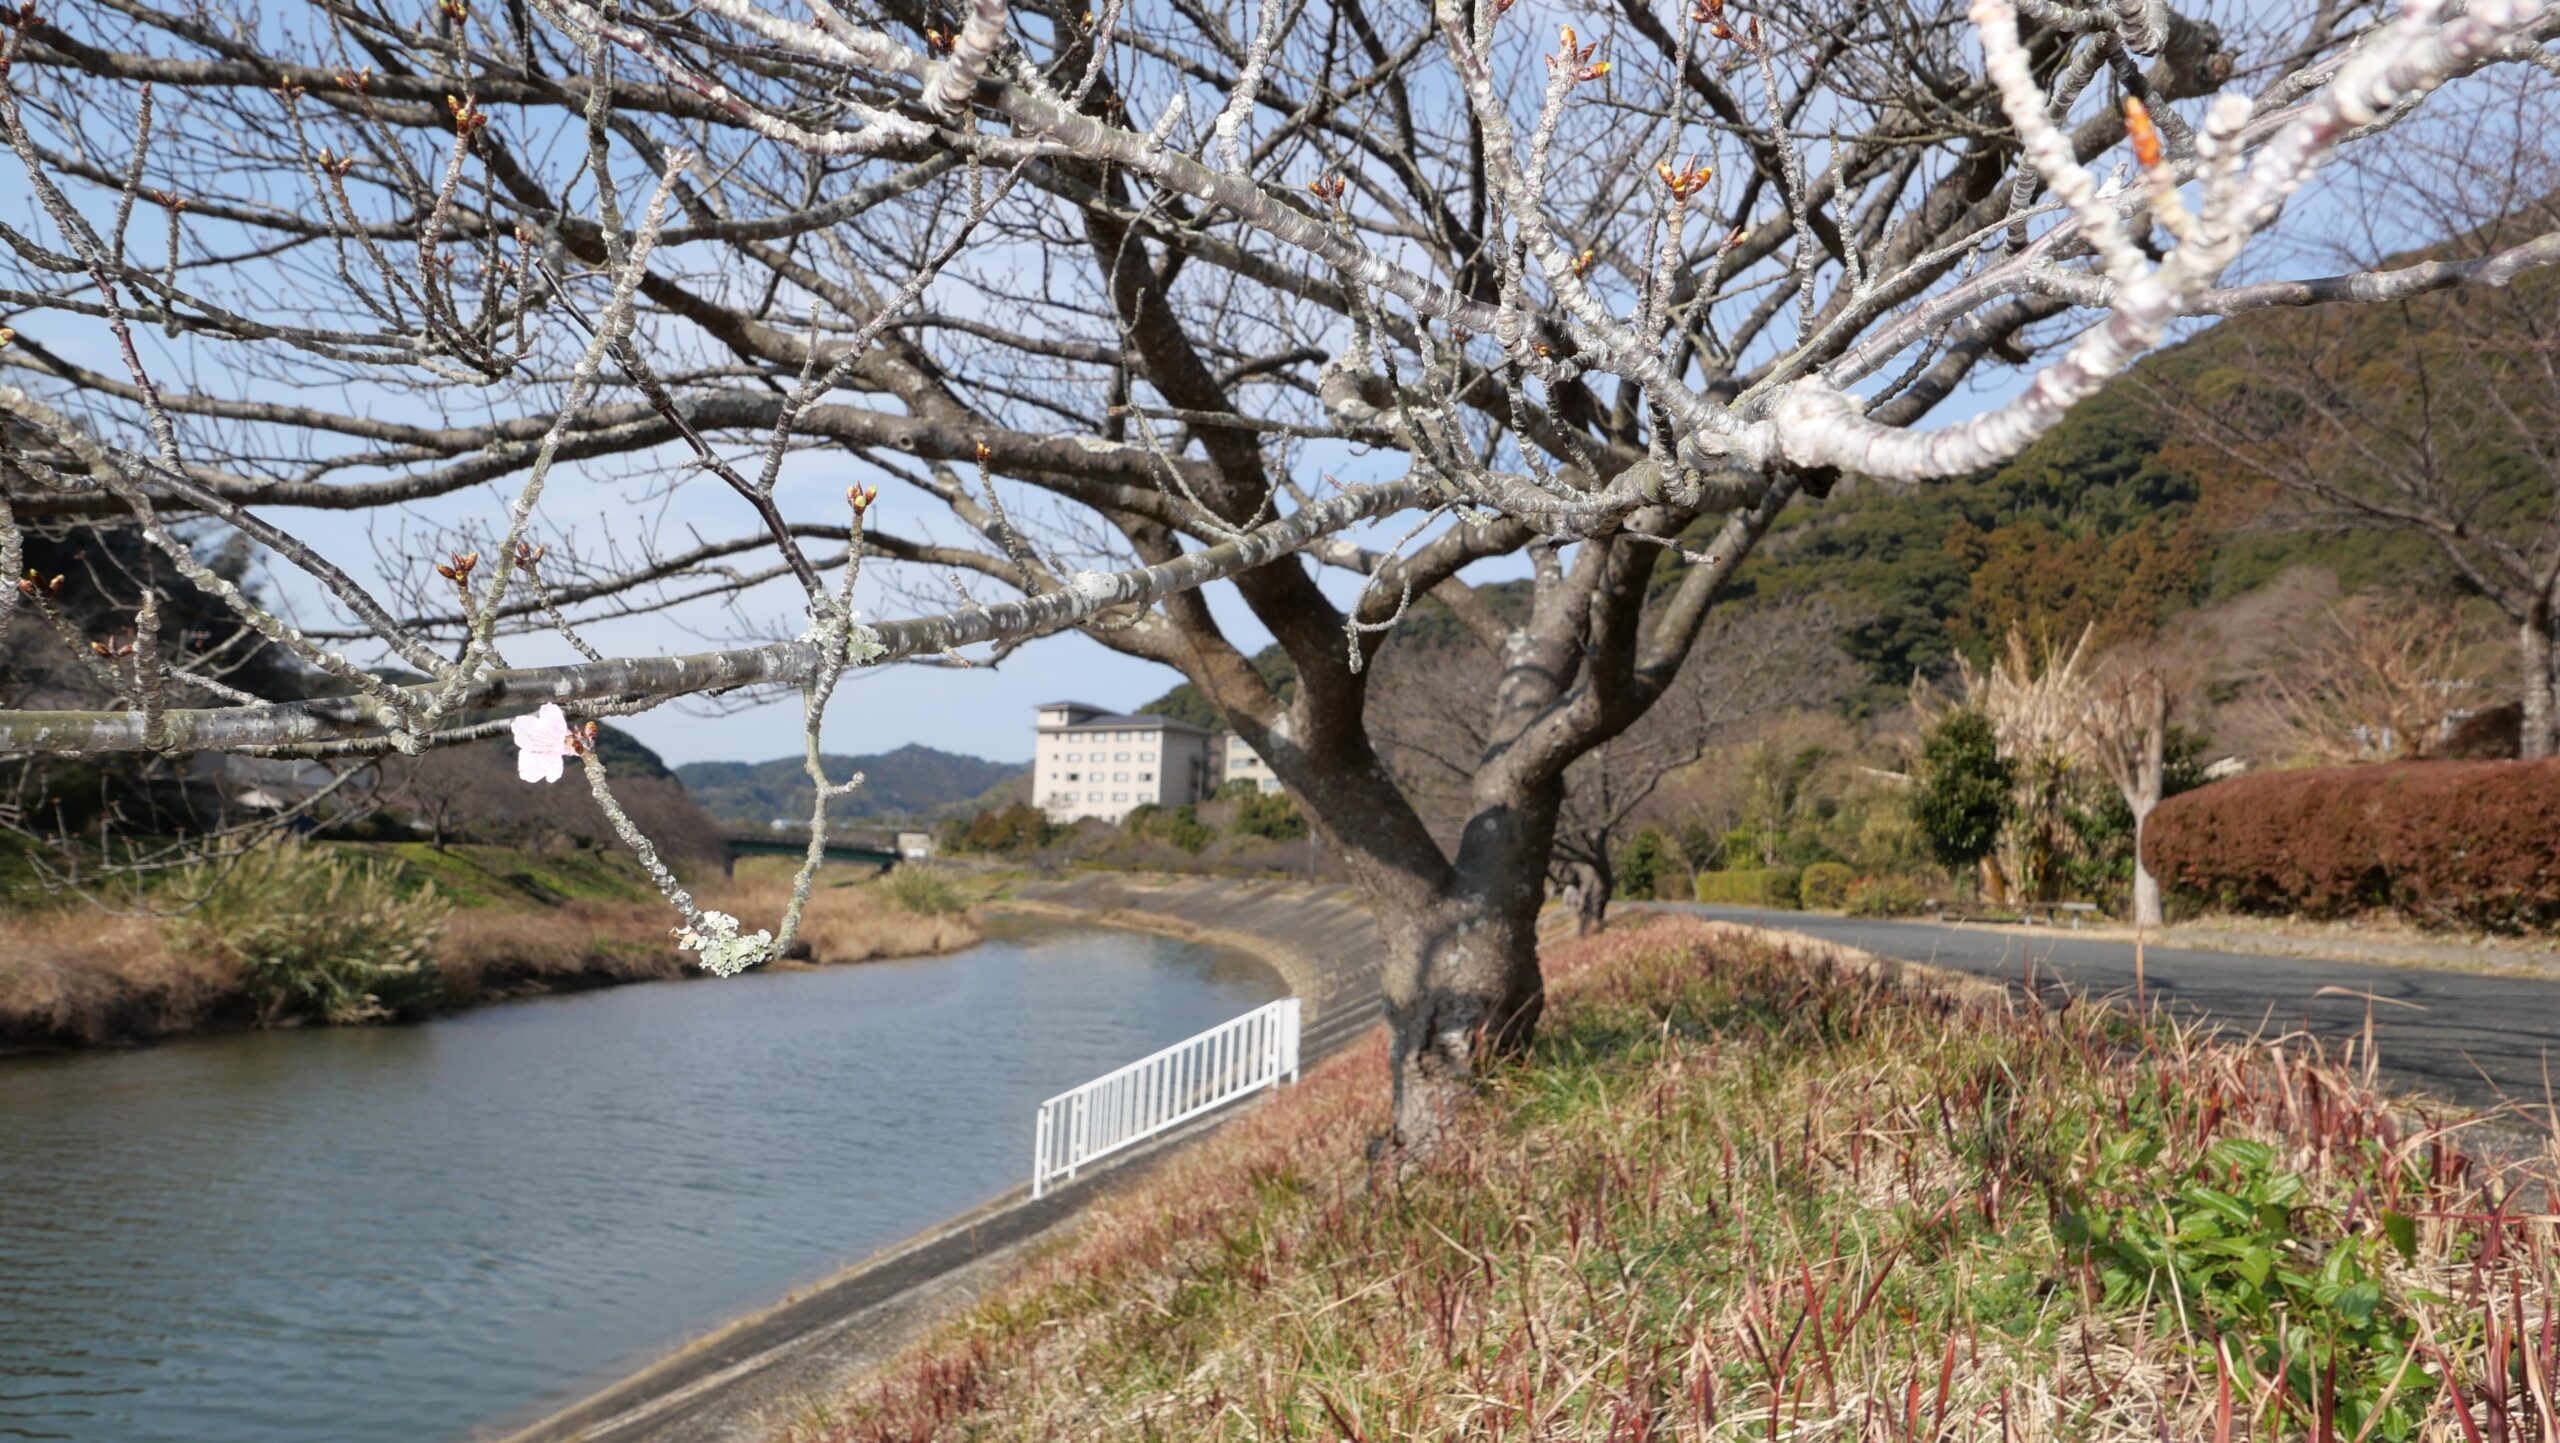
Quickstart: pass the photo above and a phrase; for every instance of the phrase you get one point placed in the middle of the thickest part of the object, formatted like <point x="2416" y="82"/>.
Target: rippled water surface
<point x="384" y="1235"/>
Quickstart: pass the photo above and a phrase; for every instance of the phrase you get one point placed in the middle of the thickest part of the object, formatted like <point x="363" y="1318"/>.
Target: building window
<point x="1146" y="776"/>
<point x="1119" y="776"/>
<point x="1119" y="796"/>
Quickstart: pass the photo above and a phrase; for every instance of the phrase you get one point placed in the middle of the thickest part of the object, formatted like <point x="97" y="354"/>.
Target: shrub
<point x="1825" y="886"/>
<point x="2226" y="1254"/>
<point x="1964" y="791"/>
<point x="1180" y="826"/>
<point x="1272" y="815"/>
<point x="2463" y="843"/>
<point x="1644" y="864"/>
<point x="1886" y="897"/>
<point x="317" y="935"/>
<point x="1018" y="828"/>
<point x="1768" y="887"/>
<point x="923" y="891"/>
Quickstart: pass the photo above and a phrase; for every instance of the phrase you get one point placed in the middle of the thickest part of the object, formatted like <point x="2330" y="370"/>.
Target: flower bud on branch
<point x="1684" y="180"/>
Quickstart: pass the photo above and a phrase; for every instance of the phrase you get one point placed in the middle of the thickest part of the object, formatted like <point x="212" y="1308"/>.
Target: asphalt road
<point x="2481" y="1039"/>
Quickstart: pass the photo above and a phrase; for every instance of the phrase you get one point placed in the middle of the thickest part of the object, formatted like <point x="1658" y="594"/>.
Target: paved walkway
<point x="2477" y="1038"/>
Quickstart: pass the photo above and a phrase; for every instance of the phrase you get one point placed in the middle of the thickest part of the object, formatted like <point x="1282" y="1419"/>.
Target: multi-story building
<point x="1086" y="762"/>
<point x="1243" y="764"/>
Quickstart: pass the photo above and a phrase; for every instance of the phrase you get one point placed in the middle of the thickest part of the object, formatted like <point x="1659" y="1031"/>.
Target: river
<point x="412" y="1234"/>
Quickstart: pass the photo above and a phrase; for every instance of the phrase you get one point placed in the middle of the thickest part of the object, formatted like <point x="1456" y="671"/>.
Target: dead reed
<point x="87" y="979"/>
<point x="77" y="977"/>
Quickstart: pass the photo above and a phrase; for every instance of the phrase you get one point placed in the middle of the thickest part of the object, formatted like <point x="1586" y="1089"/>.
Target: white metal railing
<point x="1164" y="1089"/>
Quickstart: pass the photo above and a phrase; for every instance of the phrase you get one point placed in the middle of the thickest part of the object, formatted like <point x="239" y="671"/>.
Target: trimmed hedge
<point x="1825" y="886"/>
<point x="1775" y="887"/>
<point x="1887" y="897"/>
<point x="2473" y="844"/>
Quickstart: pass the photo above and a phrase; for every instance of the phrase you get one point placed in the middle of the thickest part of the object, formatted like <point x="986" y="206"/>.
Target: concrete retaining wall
<point x="1321" y="939"/>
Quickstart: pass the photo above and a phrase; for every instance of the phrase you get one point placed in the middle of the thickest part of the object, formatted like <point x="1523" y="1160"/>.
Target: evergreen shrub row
<point x="1766" y="887"/>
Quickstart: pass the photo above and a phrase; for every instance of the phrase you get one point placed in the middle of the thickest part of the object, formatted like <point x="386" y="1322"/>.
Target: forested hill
<point x="911" y="783"/>
<point x="2115" y="519"/>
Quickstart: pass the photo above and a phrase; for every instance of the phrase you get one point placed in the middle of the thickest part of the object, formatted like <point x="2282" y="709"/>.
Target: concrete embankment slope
<point x="743" y="1381"/>
<point x="1320" y="939"/>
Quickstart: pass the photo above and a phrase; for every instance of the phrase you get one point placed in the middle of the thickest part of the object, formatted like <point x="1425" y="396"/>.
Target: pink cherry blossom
<point x="542" y="744"/>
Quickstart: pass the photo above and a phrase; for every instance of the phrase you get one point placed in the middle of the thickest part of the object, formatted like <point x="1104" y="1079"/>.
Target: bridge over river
<point x="857" y="849"/>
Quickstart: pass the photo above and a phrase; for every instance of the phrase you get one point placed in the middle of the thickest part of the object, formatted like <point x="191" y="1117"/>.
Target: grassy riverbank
<point x="1751" y="1193"/>
<point x="492" y="923"/>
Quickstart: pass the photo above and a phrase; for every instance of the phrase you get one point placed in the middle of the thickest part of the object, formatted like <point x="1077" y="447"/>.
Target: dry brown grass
<point x="1739" y="1192"/>
<point x="505" y="951"/>
<point x="858" y="923"/>
<point x="82" y="978"/>
<point x="78" y="978"/>
<point x="498" y="952"/>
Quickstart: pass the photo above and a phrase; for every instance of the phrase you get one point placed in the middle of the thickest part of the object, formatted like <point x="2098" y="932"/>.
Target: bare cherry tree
<point x="2435" y="416"/>
<point x="2367" y="680"/>
<point x="2133" y="698"/>
<point x="1137" y="300"/>
<point x="1425" y="708"/>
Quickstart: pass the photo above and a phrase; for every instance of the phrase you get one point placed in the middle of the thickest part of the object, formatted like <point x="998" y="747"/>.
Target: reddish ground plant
<point x="1743" y="1189"/>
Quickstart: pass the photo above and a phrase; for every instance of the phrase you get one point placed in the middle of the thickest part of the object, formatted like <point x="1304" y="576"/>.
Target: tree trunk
<point x="1592" y="885"/>
<point x="2534" y="738"/>
<point x="2150" y="779"/>
<point x="2146" y="887"/>
<point x="1462" y="988"/>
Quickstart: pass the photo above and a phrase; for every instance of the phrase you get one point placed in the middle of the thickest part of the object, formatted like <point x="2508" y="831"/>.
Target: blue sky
<point x="981" y="710"/>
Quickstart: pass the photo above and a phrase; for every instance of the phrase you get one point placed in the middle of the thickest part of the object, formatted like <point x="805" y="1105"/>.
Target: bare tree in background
<point x="2436" y="416"/>
<point x="2369" y="680"/>
<point x="1138" y="300"/>
<point x="1426" y="712"/>
<point x="2133" y="697"/>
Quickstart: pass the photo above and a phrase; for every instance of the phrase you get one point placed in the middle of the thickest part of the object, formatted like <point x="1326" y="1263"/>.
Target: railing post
<point x="1040" y="1154"/>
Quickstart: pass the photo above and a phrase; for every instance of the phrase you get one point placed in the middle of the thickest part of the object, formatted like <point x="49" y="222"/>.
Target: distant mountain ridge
<point x="913" y="783"/>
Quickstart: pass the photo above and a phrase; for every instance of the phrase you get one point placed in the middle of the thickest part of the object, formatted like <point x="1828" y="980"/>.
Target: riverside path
<point x="2474" y="1037"/>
